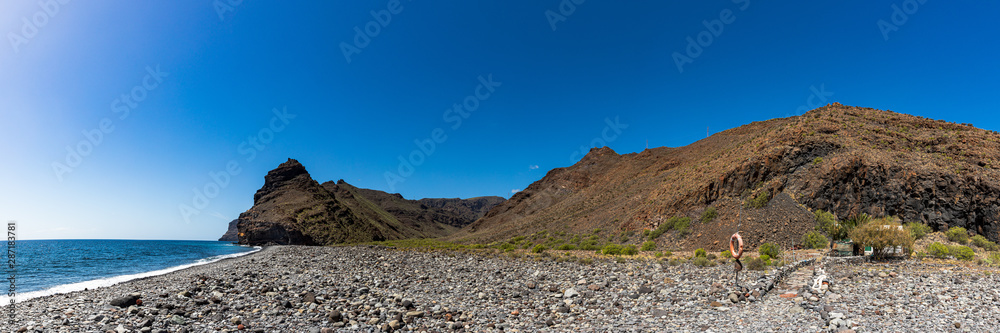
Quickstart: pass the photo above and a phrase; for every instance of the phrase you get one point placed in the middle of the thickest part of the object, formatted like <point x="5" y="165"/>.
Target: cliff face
<point x="847" y="160"/>
<point x="292" y="208"/>
<point x="231" y="233"/>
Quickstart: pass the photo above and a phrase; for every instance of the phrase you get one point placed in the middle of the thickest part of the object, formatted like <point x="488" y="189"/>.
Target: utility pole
<point x="706" y="132"/>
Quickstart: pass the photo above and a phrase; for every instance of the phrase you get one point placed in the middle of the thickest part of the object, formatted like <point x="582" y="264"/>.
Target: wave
<point x="110" y="281"/>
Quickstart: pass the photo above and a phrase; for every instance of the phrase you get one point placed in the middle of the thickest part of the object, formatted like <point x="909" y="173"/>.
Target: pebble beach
<point x="378" y="289"/>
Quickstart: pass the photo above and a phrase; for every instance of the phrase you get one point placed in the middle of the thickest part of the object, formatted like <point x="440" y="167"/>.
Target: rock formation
<point x="231" y="233"/>
<point x="292" y="208"/>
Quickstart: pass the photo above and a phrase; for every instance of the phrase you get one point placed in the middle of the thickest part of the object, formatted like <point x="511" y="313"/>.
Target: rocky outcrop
<point x="847" y="160"/>
<point x="231" y="233"/>
<point x="292" y="208"/>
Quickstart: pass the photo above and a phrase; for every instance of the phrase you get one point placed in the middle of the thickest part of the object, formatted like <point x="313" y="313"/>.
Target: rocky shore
<point x="375" y="289"/>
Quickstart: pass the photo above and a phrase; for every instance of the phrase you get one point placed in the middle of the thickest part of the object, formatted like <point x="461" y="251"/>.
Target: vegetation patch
<point x="918" y="230"/>
<point x="648" y="246"/>
<point x="983" y="243"/>
<point x="814" y="240"/>
<point x="937" y="250"/>
<point x="709" y="214"/>
<point x="759" y="201"/>
<point x="962" y="252"/>
<point x="958" y="235"/>
<point x="702" y="262"/>
<point x="882" y="234"/>
<point x="770" y="249"/>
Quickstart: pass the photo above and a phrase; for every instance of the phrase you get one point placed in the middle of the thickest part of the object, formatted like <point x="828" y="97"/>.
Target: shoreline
<point x="378" y="289"/>
<point x="114" y="280"/>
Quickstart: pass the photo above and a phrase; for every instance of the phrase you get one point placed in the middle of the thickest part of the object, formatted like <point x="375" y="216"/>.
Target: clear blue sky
<point x="184" y="84"/>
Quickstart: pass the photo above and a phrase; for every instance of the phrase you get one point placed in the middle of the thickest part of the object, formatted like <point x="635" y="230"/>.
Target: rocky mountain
<point x="838" y="158"/>
<point x="231" y="233"/>
<point x="292" y="208"/>
<point x="452" y="213"/>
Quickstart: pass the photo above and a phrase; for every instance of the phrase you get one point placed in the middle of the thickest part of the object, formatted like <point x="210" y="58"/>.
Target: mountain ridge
<point x="847" y="160"/>
<point x="293" y="208"/>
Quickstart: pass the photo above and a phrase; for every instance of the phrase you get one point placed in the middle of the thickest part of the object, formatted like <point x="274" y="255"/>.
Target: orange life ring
<point x="738" y="250"/>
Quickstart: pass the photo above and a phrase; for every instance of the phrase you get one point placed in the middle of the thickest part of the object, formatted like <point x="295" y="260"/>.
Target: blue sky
<point x="198" y="100"/>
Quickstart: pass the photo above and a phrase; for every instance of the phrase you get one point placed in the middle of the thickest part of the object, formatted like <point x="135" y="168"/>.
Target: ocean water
<point x="46" y="267"/>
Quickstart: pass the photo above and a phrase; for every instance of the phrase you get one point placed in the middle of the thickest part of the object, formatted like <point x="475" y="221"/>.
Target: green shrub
<point x="674" y="223"/>
<point x="681" y="225"/>
<point x="507" y="247"/>
<point x="845" y="227"/>
<point x="477" y="246"/>
<point x="993" y="259"/>
<point x="726" y="254"/>
<point x="958" y="235"/>
<point x="700" y="253"/>
<point x="612" y="249"/>
<point x="702" y="262"/>
<point x="937" y="250"/>
<point x="675" y="262"/>
<point x="983" y="243"/>
<point x="918" y="230"/>
<point x="585" y="261"/>
<point x="827" y="222"/>
<point x="648" y="246"/>
<point x="620" y="260"/>
<point x="630" y="250"/>
<point x="709" y="214"/>
<point x="817" y="160"/>
<point x="589" y="245"/>
<point x="770" y="249"/>
<point x="962" y="252"/>
<point x="645" y="233"/>
<point x="882" y="234"/>
<point x="711" y="256"/>
<point x="567" y="247"/>
<point x="538" y="248"/>
<point x="658" y="254"/>
<point x="766" y="259"/>
<point x="814" y="240"/>
<point x="759" y="201"/>
<point x="754" y="264"/>
<point x="667" y="254"/>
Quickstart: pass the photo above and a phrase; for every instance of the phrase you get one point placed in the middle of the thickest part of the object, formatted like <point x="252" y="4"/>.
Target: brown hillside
<point x="843" y="159"/>
<point x="292" y="208"/>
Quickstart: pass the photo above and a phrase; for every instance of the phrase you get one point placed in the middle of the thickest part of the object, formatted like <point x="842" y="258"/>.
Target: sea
<point x="47" y="267"/>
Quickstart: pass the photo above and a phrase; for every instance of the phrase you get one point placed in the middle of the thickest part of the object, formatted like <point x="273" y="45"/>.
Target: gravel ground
<point x="371" y="289"/>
